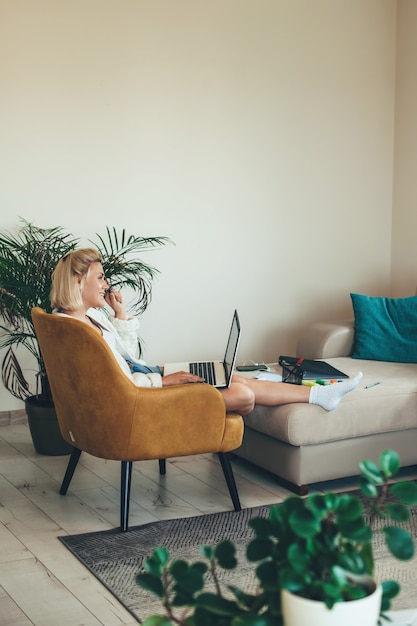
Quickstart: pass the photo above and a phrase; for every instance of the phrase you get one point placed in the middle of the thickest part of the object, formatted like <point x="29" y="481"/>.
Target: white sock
<point x="329" y="396"/>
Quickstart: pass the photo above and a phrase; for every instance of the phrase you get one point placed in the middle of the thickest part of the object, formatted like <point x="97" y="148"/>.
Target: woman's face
<point x="93" y="286"/>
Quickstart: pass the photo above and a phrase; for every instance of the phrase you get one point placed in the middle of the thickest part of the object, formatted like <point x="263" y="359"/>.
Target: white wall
<point x="256" y="133"/>
<point x="404" y="266"/>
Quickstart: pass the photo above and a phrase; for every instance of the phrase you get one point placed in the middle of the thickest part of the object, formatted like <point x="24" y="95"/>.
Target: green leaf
<point x="292" y="581"/>
<point x="349" y="508"/>
<point x="258" y="549"/>
<point x="318" y="505"/>
<point x="161" y="555"/>
<point x="207" y="551"/>
<point x="371" y="471"/>
<point x="216" y="604"/>
<point x="298" y="557"/>
<point x="268" y="576"/>
<point x="157" y="620"/>
<point x="367" y="555"/>
<point x="399" y="543"/>
<point x="154" y="566"/>
<point x="368" y="488"/>
<point x="390" y="589"/>
<point x="189" y="578"/>
<point x="243" y="598"/>
<point x="339" y="575"/>
<point x="327" y="592"/>
<point x="355" y="592"/>
<point x="201" y="567"/>
<point x="332" y="500"/>
<point x="179" y="569"/>
<point x="397" y="512"/>
<point x="356" y="530"/>
<point x="225" y="554"/>
<point x="355" y="561"/>
<point x="304" y="523"/>
<point x="261" y="526"/>
<point x="390" y="463"/>
<point x="150" y="583"/>
<point x="406" y="491"/>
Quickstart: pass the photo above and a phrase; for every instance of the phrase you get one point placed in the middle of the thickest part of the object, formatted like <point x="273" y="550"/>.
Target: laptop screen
<point x="232" y="346"/>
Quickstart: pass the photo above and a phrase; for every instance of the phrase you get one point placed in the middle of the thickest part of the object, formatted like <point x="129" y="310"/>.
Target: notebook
<point x="217" y="373"/>
<point x="310" y="369"/>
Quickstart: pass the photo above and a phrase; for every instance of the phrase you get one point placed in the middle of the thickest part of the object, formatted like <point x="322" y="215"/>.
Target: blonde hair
<point x="65" y="292"/>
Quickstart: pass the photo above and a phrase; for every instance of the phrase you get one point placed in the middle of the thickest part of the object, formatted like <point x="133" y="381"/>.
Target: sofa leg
<point x="300" y="490"/>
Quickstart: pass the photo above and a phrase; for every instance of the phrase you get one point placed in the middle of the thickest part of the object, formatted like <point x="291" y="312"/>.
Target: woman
<point x="80" y="290"/>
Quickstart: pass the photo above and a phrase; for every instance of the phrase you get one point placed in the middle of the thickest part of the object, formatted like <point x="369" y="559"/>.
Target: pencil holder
<point x="292" y="375"/>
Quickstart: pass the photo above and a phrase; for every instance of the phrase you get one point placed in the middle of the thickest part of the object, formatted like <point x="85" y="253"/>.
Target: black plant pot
<point x="44" y="428"/>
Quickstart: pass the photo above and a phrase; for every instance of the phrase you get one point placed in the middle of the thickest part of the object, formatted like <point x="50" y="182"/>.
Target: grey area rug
<point x="115" y="557"/>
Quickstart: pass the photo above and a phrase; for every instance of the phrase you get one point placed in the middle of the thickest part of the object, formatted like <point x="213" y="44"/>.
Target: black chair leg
<point x="126" y="479"/>
<point x="162" y="467"/>
<point x="72" y="464"/>
<point x="230" y="479"/>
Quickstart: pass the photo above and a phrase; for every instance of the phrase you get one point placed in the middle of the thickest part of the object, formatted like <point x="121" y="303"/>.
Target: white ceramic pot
<point x="299" y="611"/>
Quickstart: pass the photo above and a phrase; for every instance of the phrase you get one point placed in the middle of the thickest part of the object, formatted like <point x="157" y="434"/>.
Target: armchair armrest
<point x="326" y="340"/>
<point x="193" y="417"/>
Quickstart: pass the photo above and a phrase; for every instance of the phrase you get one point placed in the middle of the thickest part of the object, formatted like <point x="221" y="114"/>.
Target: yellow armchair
<point x="102" y="412"/>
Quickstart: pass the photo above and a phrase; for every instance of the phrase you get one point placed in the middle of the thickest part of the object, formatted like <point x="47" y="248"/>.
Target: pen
<point x="292" y="370"/>
<point x="373" y="385"/>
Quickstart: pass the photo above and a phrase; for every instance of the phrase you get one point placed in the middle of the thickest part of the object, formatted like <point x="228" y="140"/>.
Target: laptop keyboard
<point x="204" y="370"/>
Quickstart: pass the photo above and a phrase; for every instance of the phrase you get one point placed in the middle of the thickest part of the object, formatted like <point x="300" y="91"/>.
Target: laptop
<point x="216" y="373"/>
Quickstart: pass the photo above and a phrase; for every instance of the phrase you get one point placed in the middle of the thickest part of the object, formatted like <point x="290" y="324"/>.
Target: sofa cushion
<point x="360" y="413"/>
<point x="385" y="328"/>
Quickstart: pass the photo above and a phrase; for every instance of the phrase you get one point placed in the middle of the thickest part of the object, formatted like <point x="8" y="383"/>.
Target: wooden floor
<point x="41" y="583"/>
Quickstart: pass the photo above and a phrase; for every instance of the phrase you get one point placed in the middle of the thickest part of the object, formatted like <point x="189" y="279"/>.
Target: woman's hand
<point x="115" y="301"/>
<point x="180" y="378"/>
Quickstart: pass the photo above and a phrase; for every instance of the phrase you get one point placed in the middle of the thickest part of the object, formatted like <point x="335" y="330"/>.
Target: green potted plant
<point x="317" y="550"/>
<point x="27" y="260"/>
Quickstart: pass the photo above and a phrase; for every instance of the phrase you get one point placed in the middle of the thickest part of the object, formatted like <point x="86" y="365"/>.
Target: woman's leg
<point x="269" y="393"/>
<point x="239" y="397"/>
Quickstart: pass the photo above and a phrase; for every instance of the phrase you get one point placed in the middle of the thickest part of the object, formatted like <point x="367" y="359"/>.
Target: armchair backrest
<point x="91" y="393"/>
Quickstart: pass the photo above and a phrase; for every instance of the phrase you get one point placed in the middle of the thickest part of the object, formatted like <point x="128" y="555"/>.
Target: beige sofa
<point x="304" y="444"/>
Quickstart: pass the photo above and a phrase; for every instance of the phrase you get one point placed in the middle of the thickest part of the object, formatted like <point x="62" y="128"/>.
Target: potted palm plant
<point x="27" y="260"/>
<point x="316" y="551"/>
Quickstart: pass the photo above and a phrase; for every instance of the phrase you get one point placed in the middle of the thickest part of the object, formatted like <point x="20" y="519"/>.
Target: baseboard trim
<point x="9" y="418"/>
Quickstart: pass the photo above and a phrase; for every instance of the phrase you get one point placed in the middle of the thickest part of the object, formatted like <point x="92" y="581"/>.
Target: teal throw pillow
<point x="385" y="328"/>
